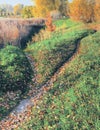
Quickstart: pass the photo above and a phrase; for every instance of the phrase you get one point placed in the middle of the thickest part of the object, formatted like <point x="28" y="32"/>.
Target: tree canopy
<point x="18" y="9"/>
<point x="43" y="7"/>
<point x="85" y="10"/>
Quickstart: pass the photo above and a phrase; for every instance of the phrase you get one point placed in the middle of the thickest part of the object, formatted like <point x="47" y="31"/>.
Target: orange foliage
<point x="82" y="10"/>
<point x="49" y="24"/>
<point x="43" y="7"/>
<point x="97" y="10"/>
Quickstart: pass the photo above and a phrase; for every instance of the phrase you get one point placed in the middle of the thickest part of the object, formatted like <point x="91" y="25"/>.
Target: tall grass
<point x="18" y="31"/>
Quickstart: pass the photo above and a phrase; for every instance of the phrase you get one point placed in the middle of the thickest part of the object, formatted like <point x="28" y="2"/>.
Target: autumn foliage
<point x="85" y="10"/>
<point x="49" y="24"/>
<point x="43" y="7"/>
<point x="97" y="10"/>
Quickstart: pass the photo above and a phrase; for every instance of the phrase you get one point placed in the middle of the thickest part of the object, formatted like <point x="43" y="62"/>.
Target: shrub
<point x="15" y="70"/>
<point x="49" y="24"/>
<point x="45" y="33"/>
<point x="42" y="35"/>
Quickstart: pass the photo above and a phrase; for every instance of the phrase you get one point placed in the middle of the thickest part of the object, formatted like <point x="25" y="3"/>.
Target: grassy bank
<point x="73" y="101"/>
<point x="50" y="54"/>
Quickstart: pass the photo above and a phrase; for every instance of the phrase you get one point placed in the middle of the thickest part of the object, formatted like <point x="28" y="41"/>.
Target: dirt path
<point x="22" y="112"/>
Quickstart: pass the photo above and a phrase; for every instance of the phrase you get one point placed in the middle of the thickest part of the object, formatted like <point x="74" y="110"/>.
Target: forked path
<point x="23" y="111"/>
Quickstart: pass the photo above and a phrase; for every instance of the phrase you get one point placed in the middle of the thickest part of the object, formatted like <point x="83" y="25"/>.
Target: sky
<point x="14" y="2"/>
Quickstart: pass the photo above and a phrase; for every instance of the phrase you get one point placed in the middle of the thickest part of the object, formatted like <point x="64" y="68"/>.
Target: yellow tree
<point x="18" y="9"/>
<point x="43" y="7"/>
<point x="27" y="11"/>
<point x="82" y="10"/>
<point x="97" y="10"/>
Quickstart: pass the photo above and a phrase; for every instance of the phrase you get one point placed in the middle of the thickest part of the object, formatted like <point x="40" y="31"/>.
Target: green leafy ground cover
<point x="15" y="76"/>
<point x="73" y="101"/>
<point x="10" y="99"/>
<point x="50" y="54"/>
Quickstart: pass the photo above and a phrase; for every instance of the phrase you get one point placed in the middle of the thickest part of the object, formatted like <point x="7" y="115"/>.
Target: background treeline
<point x="86" y="11"/>
<point x="40" y="9"/>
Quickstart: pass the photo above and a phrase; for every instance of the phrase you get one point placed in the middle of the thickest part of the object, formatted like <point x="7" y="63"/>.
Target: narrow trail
<point x="23" y="111"/>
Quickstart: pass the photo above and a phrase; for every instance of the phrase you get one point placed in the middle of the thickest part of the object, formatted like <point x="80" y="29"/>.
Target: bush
<point x="15" y="70"/>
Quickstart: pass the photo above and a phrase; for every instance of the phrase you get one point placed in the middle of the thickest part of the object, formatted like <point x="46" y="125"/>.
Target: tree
<point x="49" y="25"/>
<point x="6" y="9"/>
<point x="18" y="9"/>
<point x="0" y="11"/>
<point x="82" y="10"/>
<point x="62" y="6"/>
<point x="97" y="10"/>
<point x="43" y="7"/>
<point x="27" y="11"/>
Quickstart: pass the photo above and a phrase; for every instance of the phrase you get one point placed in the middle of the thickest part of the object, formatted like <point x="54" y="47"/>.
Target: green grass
<point x="73" y="101"/>
<point x="68" y="23"/>
<point x="15" y="77"/>
<point x="50" y="54"/>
